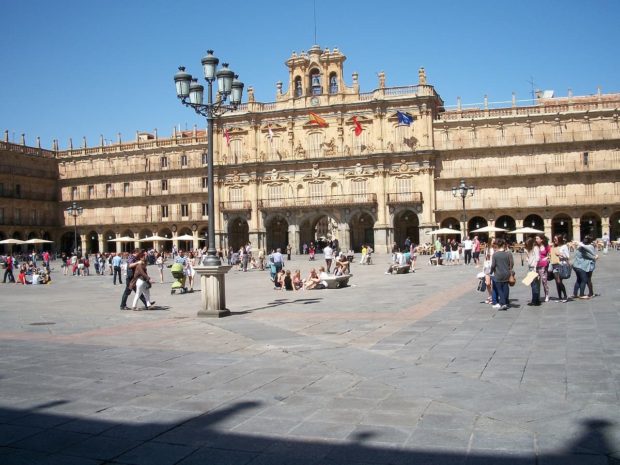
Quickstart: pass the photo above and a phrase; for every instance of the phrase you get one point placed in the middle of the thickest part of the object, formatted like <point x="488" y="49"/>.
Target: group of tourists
<point x="545" y="262"/>
<point x="32" y="268"/>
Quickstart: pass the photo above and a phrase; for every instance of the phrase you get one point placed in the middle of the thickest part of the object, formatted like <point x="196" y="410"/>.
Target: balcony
<point x="235" y="205"/>
<point x="394" y="198"/>
<point x="320" y="200"/>
<point x="541" y="201"/>
<point x="465" y="140"/>
<point x="528" y="169"/>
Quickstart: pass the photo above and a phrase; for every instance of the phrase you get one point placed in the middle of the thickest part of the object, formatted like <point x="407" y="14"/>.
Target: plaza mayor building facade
<point x="327" y="161"/>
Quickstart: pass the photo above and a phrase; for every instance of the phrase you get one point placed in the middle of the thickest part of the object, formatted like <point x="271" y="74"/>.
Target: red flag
<point x="314" y="118"/>
<point x="358" y="126"/>
<point x="227" y="137"/>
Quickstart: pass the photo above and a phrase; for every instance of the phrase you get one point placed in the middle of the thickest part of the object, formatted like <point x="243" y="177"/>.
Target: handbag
<point x="565" y="270"/>
<point x="482" y="285"/>
<point x="511" y="279"/>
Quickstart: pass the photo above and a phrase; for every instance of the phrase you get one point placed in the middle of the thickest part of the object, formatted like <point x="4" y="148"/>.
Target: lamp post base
<point x="213" y="291"/>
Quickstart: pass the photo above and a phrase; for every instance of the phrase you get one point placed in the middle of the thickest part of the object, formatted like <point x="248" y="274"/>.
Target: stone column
<point x="293" y="238"/>
<point x="577" y="229"/>
<point x="101" y="243"/>
<point x="83" y="243"/>
<point x="213" y="290"/>
<point x="344" y="231"/>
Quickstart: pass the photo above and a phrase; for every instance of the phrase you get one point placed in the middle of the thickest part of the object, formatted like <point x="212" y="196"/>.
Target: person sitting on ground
<point x="287" y="282"/>
<point x="21" y="277"/>
<point x="297" y="282"/>
<point x="312" y="281"/>
<point x="279" y="280"/>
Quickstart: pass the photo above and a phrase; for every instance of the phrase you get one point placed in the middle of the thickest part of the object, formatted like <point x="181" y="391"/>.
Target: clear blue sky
<point x="73" y="68"/>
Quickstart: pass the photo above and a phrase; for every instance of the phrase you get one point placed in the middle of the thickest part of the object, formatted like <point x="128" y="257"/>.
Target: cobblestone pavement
<point x="395" y="369"/>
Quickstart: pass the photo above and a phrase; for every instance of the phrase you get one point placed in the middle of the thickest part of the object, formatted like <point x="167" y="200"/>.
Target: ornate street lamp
<point x="74" y="211"/>
<point x="229" y="97"/>
<point x="191" y="94"/>
<point x="462" y="191"/>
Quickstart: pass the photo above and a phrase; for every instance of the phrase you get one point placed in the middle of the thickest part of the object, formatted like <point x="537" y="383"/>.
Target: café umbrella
<point x="527" y="231"/>
<point x="444" y="232"/>
<point x="488" y="229"/>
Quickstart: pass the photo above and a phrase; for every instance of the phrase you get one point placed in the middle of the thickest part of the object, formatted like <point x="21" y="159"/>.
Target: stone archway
<point x="534" y="221"/>
<point x="238" y="233"/>
<point x="318" y="229"/>
<point x="406" y="225"/>
<point x="66" y="242"/>
<point x="92" y="242"/>
<point x="277" y="233"/>
<point x="562" y="225"/>
<point x="362" y="231"/>
<point x="108" y="236"/>
<point x="614" y="226"/>
<point x="590" y="226"/>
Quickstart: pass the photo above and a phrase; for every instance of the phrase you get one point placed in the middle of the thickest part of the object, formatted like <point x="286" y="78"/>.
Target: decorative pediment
<point x="316" y="175"/>
<point x="237" y="131"/>
<point x="360" y="119"/>
<point x="275" y="128"/>
<point x="393" y="118"/>
<point x="235" y="180"/>
<point x="274" y="178"/>
<point x="359" y="172"/>
<point x="405" y="169"/>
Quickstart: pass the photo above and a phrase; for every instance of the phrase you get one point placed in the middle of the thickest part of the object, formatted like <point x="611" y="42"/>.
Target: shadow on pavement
<point x="33" y="436"/>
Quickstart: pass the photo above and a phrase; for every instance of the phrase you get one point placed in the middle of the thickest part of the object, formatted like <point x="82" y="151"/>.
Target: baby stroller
<point x="179" y="278"/>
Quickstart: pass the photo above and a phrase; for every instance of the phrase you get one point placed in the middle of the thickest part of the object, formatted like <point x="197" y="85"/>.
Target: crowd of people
<point x="546" y="262"/>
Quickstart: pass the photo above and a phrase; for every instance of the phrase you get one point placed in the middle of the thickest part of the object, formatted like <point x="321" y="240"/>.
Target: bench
<point x="335" y="282"/>
<point x="436" y="261"/>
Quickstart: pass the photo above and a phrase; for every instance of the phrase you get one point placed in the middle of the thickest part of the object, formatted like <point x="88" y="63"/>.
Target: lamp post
<point x="191" y="94"/>
<point x="75" y="211"/>
<point x="462" y="191"/>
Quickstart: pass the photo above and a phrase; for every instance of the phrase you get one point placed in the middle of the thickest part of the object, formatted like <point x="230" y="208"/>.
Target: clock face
<point x="314" y="101"/>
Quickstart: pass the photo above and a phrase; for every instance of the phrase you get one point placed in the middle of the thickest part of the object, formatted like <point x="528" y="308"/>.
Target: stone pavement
<point x="402" y="369"/>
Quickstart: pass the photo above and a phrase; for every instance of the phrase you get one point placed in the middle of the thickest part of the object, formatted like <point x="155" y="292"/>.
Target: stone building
<point x="325" y="160"/>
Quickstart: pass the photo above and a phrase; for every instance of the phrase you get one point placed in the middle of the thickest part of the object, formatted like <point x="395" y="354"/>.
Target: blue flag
<point x="404" y="118"/>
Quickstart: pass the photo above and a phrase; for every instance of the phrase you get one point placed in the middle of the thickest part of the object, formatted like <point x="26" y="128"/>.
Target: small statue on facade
<point x="330" y="147"/>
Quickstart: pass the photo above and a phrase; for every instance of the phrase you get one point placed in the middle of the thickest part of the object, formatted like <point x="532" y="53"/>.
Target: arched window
<point x="315" y="82"/>
<point x="298" y="90"/>
<point x="333" y="83"/>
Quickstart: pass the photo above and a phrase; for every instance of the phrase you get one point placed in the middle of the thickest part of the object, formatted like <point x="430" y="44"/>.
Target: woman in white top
<point x="532" y="252"/>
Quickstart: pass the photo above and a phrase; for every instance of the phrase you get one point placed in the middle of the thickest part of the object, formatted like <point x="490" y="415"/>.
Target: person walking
<point x="288" y="252"/>
<point x="532" y="253"/>
<point x="476" y="251"/>
<point x="141" y="283"/>
<point x="543" y="263"/>
<point x="132" y="260"/>
<point x="559" y="257"/>
<point x="584" y="264"/>
<point x="159" y="261"/>
<point x="277" y="260"/>
<point x="468" y="246"/>
<point x="502" y="265"/>
<point x="8" y="272"/>
<point x="328" y="253"/>
<point x="116" y="267"/>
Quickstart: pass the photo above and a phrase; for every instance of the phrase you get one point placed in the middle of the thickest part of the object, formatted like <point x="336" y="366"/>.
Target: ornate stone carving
<point x="300" y="152"/>
<point x="330" y="147"/>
